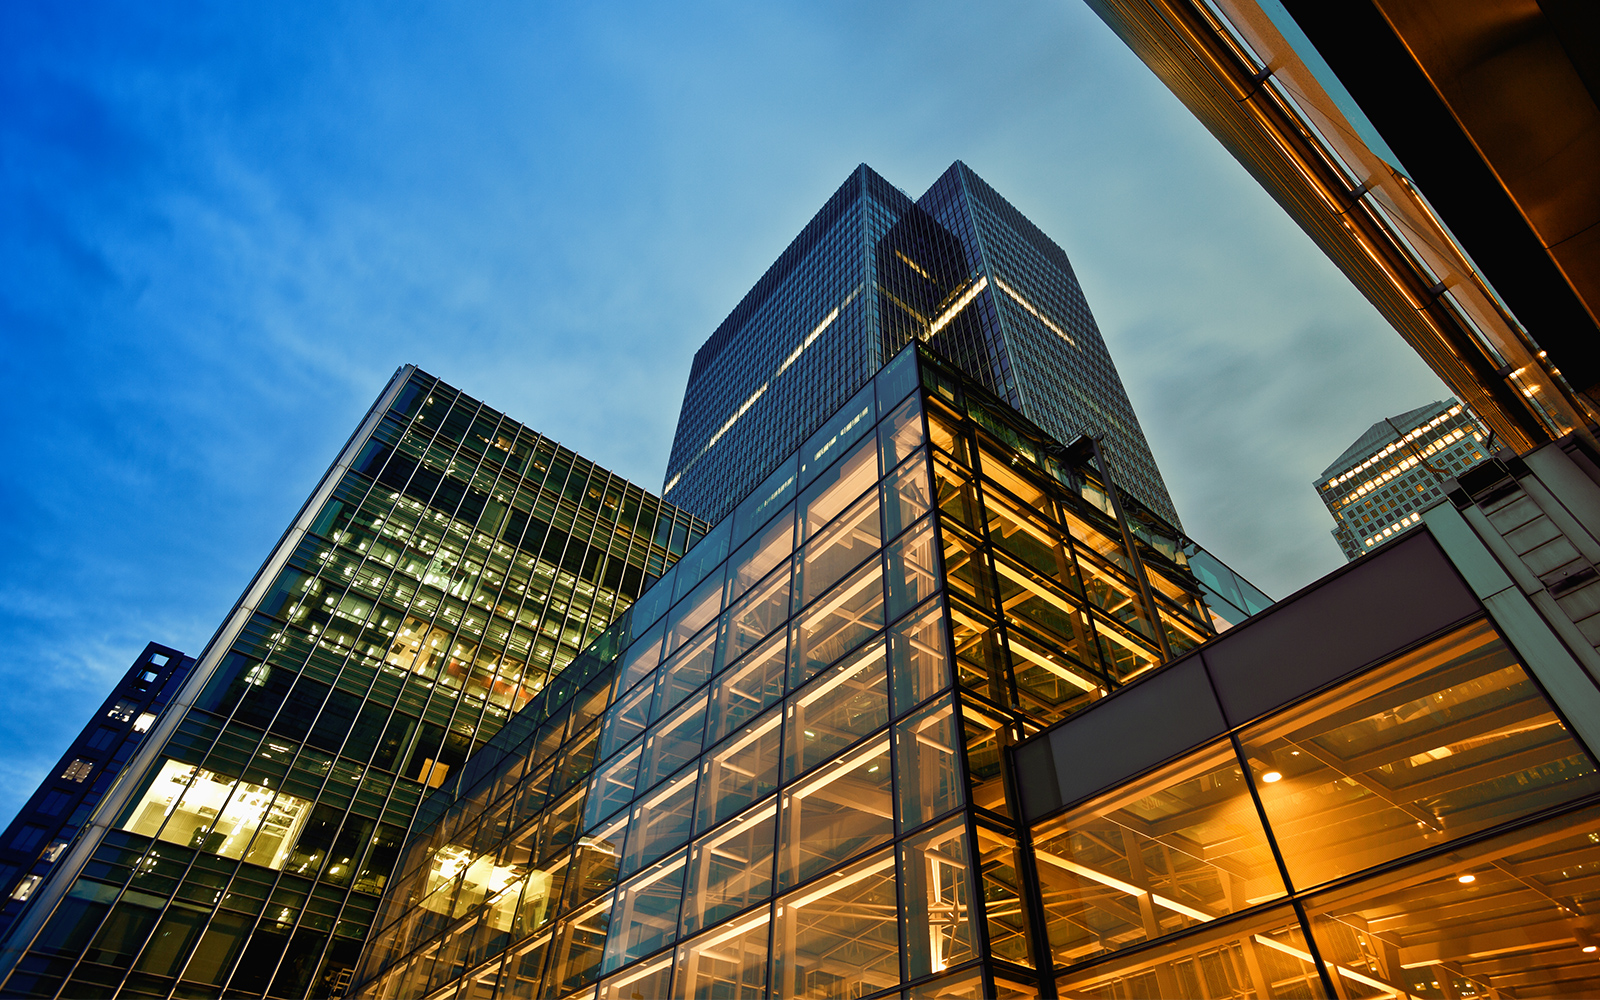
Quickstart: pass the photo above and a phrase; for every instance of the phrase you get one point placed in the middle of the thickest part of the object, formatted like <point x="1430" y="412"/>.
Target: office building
<point x="55" y="813"/>
<point x="449" y="563"/>
<point x="1380" y="485"/>
<point x="960" y="269"/>
<point x="783" y="769"/>
<point x="1413" y="811"/>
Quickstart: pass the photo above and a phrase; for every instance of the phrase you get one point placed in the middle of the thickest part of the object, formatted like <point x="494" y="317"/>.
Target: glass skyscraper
<point x="960" y="269"/>
<point x="781" y="771"/>
<point x="449" y="564"/>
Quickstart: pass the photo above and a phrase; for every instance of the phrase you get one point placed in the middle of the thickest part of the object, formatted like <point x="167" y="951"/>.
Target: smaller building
<point x="52" y="817"/>
<point x="1379" y="486"/>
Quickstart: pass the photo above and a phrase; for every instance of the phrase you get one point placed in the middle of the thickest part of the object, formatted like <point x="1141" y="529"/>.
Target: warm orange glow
<point x="1272" y="776"/>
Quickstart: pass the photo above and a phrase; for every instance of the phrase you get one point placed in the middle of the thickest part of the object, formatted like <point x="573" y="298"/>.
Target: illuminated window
<point x="143" y="722"/>
<point x="78" y="770"/>
<point x="207" y="811"/>
<point x="25" y="888"/>
<point x="123" y="710"/>
<point x="1443" y="741"/>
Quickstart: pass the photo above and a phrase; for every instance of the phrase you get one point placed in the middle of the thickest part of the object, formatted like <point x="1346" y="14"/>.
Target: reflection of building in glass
<point x="960" y="269"/>
<point x="1381" y="484"/>
<point x="784" y="767"/>
<point x="1414" y="810"/>
<point x="39" y="835"/>
<point x="447" y="567"/>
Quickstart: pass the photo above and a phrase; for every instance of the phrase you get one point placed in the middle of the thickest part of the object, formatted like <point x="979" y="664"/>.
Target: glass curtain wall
<point x="461" y="562"/>
<point x="1352" y="846"/>
<point x="781" y="770"/>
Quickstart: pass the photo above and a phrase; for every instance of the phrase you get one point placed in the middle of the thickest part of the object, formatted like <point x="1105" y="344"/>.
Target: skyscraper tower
<point x="960" y="269"/>
<point x="449" y="563"/>
<point x="1379" y="486"/>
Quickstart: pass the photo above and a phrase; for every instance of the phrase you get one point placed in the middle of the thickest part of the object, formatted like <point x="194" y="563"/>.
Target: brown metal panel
<point x="1385" y="602"/>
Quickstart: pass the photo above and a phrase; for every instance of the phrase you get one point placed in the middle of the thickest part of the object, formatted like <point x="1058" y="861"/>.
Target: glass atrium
<point x="783" y="768"/>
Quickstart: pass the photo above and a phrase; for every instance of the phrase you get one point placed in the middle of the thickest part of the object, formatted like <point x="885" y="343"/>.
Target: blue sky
<point x="223" y="226"/>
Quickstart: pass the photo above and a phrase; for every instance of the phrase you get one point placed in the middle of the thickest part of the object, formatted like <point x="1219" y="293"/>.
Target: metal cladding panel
<point x="1394" y="598"/>
<point x="1138" y="728"/>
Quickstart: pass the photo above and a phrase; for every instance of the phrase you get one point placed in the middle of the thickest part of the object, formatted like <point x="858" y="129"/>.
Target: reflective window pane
<point x="1262" y="956"/>
<point x="841" y="705"/>
<point x="906" y="497"/>
<point x="838" y="622"/>
<point x="726" y="963"/>
<point x="900" y="433"/>
<point x="730" y="868"/>
<point x="912" y="569"/>
<point x="1482" y="921"/>
<point x="1178" y="847"/>
<point x="938" y="891"/>
<point x="841" y="936"/>
<point x="927" y="748"/>
<point x="660" y="823"/>
<point x="673" y="742"/>
<point x="839" y="810"/>
<point x="1002" y="896"/>
<point x="757" y="557"/>
<point x="836" y="488"/>
<point x="917" y="664"/>
<point x="837" y="549"/>
<point x="644" y="916"/>
<point x="612" y="786"/>
<point x="755" y="615"/>
<point x="748" y="688"/>
<point x="647" y="980"/>
<point x="1449" y="739"/>
<point x="741" y="770"/>
<point x="684" y="672"/>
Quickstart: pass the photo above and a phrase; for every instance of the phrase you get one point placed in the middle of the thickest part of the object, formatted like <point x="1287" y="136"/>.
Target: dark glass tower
<point x="448" y="565"/>
<point x="57" y="811"/>
<point x="960" y="269"/>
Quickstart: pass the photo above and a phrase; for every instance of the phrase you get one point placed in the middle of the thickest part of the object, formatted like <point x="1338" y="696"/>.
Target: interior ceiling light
<point x="1272" y="776"/>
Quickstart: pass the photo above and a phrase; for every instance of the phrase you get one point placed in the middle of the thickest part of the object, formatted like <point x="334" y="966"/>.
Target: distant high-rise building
<point x="1380" y="484"/>
<point x="960" y="269"/>
<point x="447" y="566"/>
<point x="57" y="811"/>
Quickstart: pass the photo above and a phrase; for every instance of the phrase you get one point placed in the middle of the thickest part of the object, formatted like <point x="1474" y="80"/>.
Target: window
<point x="210" y="812"/>
<point x="1451" y="738"/>
<point x="25" y="888"/>
<point x="78" y="770"/>
<point x="143" y="722"/>
<point x="123" y="710"/>
<point x="1114" y="881"/>
<point x="54" y="801"/>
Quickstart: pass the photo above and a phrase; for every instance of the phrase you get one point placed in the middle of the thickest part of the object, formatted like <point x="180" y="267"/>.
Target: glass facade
<point x="782" y="771"/>
<point x="1425" y="828"/>
<point x="450" y="565"/>
<point x="961" y="270"/>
